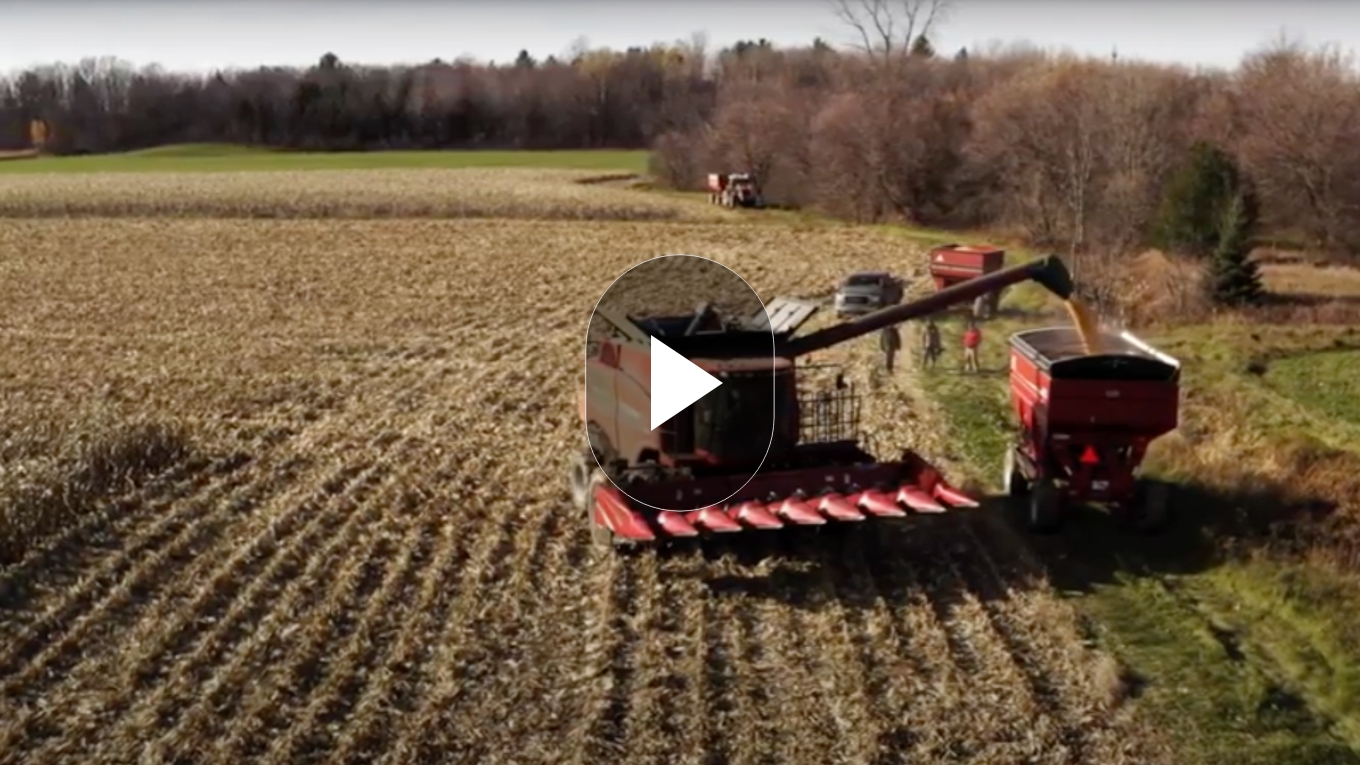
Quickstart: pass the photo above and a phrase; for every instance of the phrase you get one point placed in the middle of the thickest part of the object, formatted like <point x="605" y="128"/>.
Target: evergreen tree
<point x="922" y="47"/>
<point x="1196" y="200"/>
<point x="1234" y="279"/>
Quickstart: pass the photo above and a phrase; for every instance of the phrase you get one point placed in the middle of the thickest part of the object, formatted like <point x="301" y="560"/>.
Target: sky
<point x="202" y="35"/>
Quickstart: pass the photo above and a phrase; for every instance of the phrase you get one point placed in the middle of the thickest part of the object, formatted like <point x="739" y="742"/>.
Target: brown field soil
<point x="363" y="549"/>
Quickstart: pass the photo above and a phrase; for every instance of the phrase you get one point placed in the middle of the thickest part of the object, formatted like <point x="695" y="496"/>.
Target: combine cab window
<point x="733" y="422"/>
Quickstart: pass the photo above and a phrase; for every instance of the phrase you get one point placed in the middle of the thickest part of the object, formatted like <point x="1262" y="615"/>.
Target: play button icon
<point x="680" y="400"/>
<point x="676" y="383"/>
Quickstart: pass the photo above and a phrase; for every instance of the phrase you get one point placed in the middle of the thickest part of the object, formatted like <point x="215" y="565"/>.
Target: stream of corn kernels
<point x="1087" y="325"/>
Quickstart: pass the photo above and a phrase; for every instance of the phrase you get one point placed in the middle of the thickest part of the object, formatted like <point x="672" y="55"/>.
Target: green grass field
<point x="1326" y="383"/>
<point x="218" y="158"/>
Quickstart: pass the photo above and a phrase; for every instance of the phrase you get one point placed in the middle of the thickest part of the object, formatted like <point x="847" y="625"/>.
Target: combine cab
<point x="1086" y="422"/>
<point x="816" y="472"/>
<point x="952" y="264"/>
<point x="734" y="190"/>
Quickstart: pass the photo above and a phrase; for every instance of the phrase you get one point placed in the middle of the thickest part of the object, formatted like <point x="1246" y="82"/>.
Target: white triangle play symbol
<point x="676" y="383"/>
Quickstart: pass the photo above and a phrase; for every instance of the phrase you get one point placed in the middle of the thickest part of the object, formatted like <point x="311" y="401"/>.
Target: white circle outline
<point x="774" y="384"/>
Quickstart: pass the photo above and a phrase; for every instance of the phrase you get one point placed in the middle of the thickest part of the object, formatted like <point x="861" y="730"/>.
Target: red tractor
<point x="734" y="190"/>
<point x="1086" y="421"/>
<point x="952" y="264"/>
<point x="816" y="469"/>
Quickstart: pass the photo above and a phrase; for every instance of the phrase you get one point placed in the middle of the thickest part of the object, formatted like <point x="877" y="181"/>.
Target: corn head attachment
<point x="817" y="469"/>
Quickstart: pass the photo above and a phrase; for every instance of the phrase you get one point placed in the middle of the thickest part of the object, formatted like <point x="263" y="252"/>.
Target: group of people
<point x="931" y="346"/>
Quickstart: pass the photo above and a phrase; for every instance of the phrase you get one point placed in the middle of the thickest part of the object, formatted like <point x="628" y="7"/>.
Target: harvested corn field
<point x="343" y="531"/>
<point x="414" y="193"/>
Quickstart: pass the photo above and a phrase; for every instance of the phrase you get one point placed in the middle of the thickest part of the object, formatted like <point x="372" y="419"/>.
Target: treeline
<point x="1065" y="151"/>
<point x="597" y="99"/>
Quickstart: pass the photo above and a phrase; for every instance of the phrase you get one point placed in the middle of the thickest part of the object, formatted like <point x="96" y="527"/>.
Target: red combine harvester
<point x="1086" y="423"/>
<point x="816" y="469"/>
<point x="952" y="264"/>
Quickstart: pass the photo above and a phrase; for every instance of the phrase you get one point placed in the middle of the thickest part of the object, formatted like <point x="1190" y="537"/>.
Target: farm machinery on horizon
<point x="734" y="190"/>
<point x="813" y="472"/>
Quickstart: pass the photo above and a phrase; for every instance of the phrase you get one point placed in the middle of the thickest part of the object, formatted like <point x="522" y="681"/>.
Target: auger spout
<point x="1048" y="271"/>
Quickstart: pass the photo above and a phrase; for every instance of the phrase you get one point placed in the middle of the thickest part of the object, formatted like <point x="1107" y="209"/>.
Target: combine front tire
<point x="601" y="538"/>
<point x="582" y="465"/>
<point x="1045" y="506"/>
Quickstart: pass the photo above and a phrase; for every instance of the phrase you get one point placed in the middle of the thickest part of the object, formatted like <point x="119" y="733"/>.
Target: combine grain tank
<point x="952" y="264"/>
<point x="1086" y="422"/>
<point x="816" y="471"/>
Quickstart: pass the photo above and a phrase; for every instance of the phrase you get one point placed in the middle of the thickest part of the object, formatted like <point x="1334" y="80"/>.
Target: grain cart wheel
<point x="1015" y="482"/>
<point x="1151" y="508"/>
<point x="582" y="464"/>
<point x="601" y="538"/>
<point x="1045" y="506"/>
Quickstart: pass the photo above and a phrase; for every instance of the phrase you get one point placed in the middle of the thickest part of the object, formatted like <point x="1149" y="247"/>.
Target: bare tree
<point x="753" y="127"/>
<point x="840" y="140"/>
<point x="1044" y="135"/>
<point x="889" y="27"/>
<point x="1301" y="119"/>
<point x="1148" y="114"/>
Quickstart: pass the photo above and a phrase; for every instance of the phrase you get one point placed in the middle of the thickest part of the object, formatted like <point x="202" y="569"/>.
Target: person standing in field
<point x="891" y="342"/>
<point x="931" y="347"/>
<point x="972" y="338"/>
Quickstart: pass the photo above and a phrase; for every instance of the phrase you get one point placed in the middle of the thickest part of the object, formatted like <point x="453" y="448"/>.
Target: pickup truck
<point x="865" y="291"/>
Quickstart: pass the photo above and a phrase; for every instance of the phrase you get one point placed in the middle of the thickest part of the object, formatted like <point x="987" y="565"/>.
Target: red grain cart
<point x="951" y="264"/>
<point x="1086" y="422"/>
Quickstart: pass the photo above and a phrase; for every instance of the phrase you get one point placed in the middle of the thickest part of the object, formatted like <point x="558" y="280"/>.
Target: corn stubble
<point x="361" y="194"/>
<point x="341" y="532"/>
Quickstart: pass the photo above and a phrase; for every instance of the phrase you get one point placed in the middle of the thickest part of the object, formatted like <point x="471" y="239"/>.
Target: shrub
<point x="1196" y="201"/>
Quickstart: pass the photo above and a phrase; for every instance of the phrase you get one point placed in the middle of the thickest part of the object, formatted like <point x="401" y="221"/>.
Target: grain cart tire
<point x="582" y="465"/>
<point x="1016" y="484"/>
<point x="601" y="538"/>
<point x="1045" y="506"/>
<point x="1152" y="505"/>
